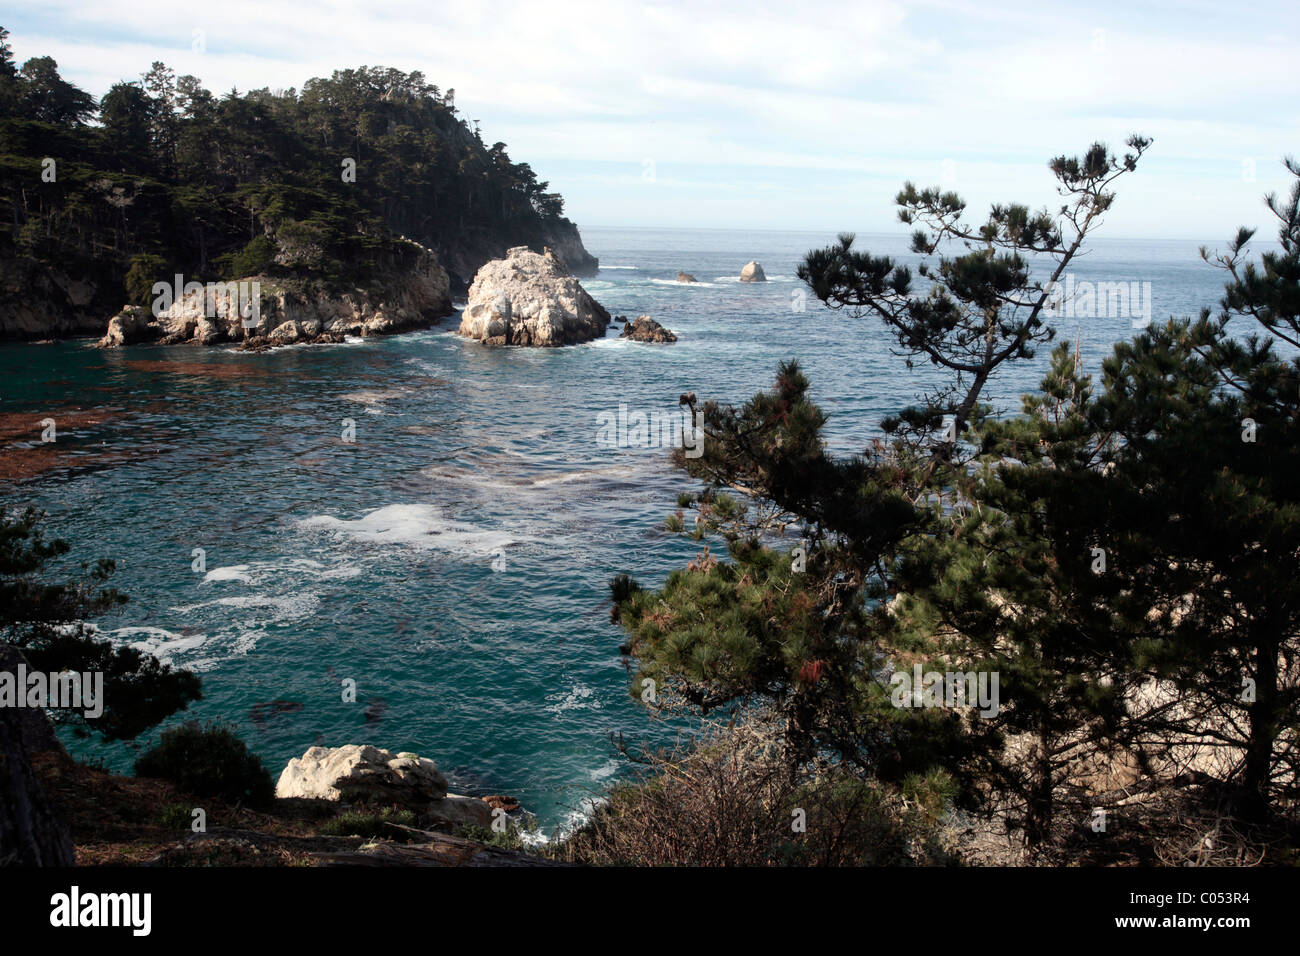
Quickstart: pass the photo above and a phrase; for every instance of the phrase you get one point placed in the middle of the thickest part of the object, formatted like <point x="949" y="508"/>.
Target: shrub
<point x="730" y="800"/>
<point x="372" y="825"/>
<point x="254" y="259"/>
<point x="209" y="761"/>
<point x="176" y="816"/>
<point x="146" y="269"/>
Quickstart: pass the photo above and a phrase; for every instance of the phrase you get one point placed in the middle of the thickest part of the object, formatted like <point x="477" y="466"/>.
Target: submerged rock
<point x="646" y="329"/>
<point x="530" y="299"/>
<point x="753" y="272"/>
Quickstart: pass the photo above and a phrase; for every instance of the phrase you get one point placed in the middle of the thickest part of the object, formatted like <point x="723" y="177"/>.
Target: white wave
<point x="236" y="572"/>
<point x="581" y="697"/>
<point x="575" y="819"/>
<point x="686" y="285"/>
<point x="417" y="526"/>
<point x="516" y="483"/>
<point x="343" y="573"/>
<point x="259" y="571"/>
<point x="284" y="607"/>
<point x="603" y="268"/>
<point x="238" y="645"/>
<point x="160" y="642"/>
<point x="367" y="396"/>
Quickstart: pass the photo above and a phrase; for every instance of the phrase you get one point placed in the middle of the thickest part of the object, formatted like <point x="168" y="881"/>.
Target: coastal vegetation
<point x="163" y="177"/>
<point x="1120" y="556"/>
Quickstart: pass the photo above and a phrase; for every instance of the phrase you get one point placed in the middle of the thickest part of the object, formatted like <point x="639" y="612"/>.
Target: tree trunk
<point x="1263" y="719"/>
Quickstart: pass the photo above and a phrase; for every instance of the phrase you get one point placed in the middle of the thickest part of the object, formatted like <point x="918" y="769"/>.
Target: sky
<point x="797" y="116"/>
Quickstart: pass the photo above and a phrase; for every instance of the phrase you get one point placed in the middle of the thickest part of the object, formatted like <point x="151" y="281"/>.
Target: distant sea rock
<point x="645" y="329"/>
<point x="531" y="299"/>
<point x="686" y="277"/>
<point x="362" y="774"/>
<point x="290" y="310"/>
<point x="753" y="272"/>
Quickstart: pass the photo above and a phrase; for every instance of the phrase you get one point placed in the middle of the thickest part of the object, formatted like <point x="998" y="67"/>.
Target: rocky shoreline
<point x="525" y="298"/>
<point x="262" y="312"/>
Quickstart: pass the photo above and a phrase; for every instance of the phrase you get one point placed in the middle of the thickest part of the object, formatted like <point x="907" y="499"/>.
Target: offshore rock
<point x="531" y="299"/>
<point x="646" y="329"/>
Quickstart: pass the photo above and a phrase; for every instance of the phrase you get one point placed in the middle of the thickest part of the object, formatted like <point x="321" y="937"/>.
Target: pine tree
<point x="45" y="619"/>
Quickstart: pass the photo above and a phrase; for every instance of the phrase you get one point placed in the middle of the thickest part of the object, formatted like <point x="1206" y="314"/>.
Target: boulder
<point x="646" y="329"/>
<point x="686" y="277"/>
<point x="530" y="299"/>
<point x="753" y="272"/>
<point x="363" y="774"/>
<point x="286" y="333"/>
<point x="456" y="811"/>
<point x="133" y="324"/>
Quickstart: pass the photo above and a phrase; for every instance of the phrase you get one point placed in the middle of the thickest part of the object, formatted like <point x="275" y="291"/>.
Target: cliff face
<point x="563" y="238"/>
<point x="474" y="249"/>
<point x="264" y="312"/>
<point x="41" y="303"/>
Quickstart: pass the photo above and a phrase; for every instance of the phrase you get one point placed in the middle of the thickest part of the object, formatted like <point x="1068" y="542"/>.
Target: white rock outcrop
<point x="288" y="311"/>
<point x="753" y="272"/>
<point x="362" y="774"/>
<point x="530" y="299"/>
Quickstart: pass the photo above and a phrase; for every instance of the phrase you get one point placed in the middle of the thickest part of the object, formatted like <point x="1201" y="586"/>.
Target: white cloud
<point x="888" y="89"/>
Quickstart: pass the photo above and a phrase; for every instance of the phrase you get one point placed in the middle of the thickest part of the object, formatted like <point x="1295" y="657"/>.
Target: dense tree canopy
<point x="161" y="167"/>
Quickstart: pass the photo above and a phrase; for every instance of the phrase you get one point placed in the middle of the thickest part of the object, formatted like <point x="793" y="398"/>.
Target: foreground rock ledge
<point x="362" y="774"/>
<point x="530" y="299"/>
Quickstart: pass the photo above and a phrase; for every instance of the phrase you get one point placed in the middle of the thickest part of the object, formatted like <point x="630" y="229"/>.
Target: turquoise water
<point x="453" y="559"/>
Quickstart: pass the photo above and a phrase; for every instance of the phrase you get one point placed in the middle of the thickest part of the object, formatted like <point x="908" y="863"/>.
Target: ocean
<point x="452" y="559"/>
